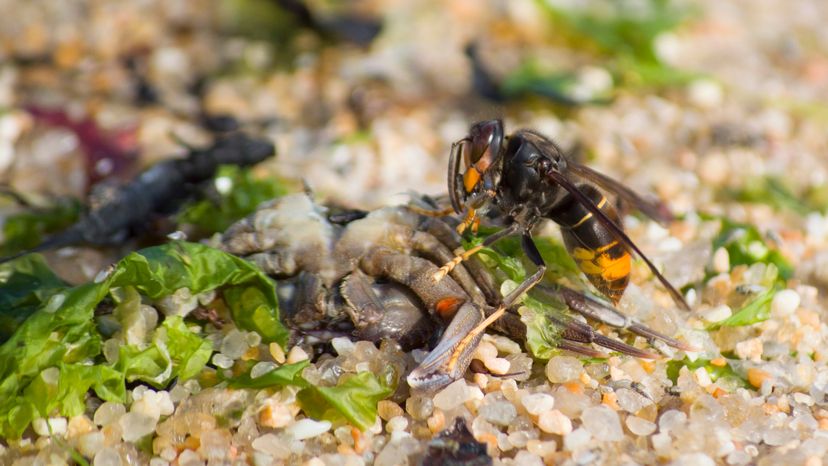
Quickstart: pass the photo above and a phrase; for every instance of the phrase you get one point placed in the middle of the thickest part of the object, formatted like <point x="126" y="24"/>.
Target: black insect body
<point x="159" y="190"/>
<point x="526" y="178"/>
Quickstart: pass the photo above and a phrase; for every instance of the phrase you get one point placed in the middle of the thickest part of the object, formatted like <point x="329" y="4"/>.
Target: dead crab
<point x="370" y="273"/>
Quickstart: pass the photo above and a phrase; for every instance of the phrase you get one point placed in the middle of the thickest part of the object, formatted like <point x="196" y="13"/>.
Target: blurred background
<point x="701" y="102"/>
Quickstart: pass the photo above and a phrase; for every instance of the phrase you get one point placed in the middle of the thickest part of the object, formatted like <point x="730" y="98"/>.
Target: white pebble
<point x="108" y="412"/>
<point x="721" y="260"/>
<point x="497" y="366"/>
<point x="296" y="354"/>
<point x="452" y="396"/>
<point x="542" y="448"/>
<point x="554" y="422"/>
<point x="485" y="351"/>
<point x="396" y="423"/>
<point x="702" y="377"/>
<point x="308" y="428"/>
<point x="537" y="403"/>
<point x="639" y="426"/>
<point x="603" y="423"/>
<point x="717" y="313"/>
<point x="562" y="369"/>
<point x="500" y="412"/>
<point x="107" y="457"/>
<point x="785" y="302"/>
<point x="55" y="426"/>
<point x="136" y="425"/>
<point x="272" y="445"/>
<point x="524" y="457"/>
<point x="261" y="368"/>
<point x="671" y="419"/>
<point x="90" y="443"/>
<point x="577" y="439"/>
<point x="503" y="344"/>
<point x="222" y="361"/>
<point x="342" y="345"/>
<point x="154" y="404"/>
<point x="693" y="459"/>
<point x="705" y="93"/>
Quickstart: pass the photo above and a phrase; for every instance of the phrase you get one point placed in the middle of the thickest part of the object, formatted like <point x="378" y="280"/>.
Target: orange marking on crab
<point x="447" y="307"/>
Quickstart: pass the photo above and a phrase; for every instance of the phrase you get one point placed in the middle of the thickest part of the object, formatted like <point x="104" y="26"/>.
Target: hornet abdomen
<point x="598" y="253"/>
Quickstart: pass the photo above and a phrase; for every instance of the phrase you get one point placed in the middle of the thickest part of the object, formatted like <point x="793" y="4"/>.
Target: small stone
<point x="702" y="377"/>
<point x="577" y="439"/>
<point x="234" y="344"/>
<point x="79" y="425"/>
<point x="108" y="412"/>
<point x="717" y="313"/>
<point x="222" y="361"/>
<point x="785" y="302"/>
<point x="437" y="421"/>
<point x="261" y="368"/>
<point x="276" y="352"/>
<point x="452" y="396"/>
<point x="308" y="428"/>
<point x="107" y="457"/>
<point x="503" y="344"/>
<point x="497" y="366"/>
<point x="631" y="401"/>
<point x="640" y="426"/>
<point x="721" y="260"/>
<point x="54" y="426"/>
<point x="738" y="458"/>
<point x="397" y="424"/>
<point x="387" y="409"/>
<point x="519" y="438"/>
<point x="537" y="403"/>
<point x="777" y="436"/>
<point x="90" y="443"/>
<point x="542" y="448"/>
<point x="671" y="419"/>
<point x="562" y="369"/>
<point x="296" y="354"/>
<point x="554" y="422"/>
<point x="705" y="93"/>
<point x="419" y="407"/>
<point x="189" y="457"/>
<point x="524" y="457"/>
<point x="154" y="404"/>
<point x="499" y="413"/>
<point x="273" y="445"/>
<point x="136" y="425"/>
<point x="693" y="459"/>
<point x="156" y="461"/>
<point x="342" y="345"/>
<point x="485" y="351"/>
<point x="180" y="303"/>
<point x="756" y="377"/>
<point x="275" y="414"/>
<point x="603" y="423"/>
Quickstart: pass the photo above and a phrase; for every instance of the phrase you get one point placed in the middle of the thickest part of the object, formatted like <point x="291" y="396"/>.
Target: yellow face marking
<point x="614" y="268"/>
<point x="600" y="205"/>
